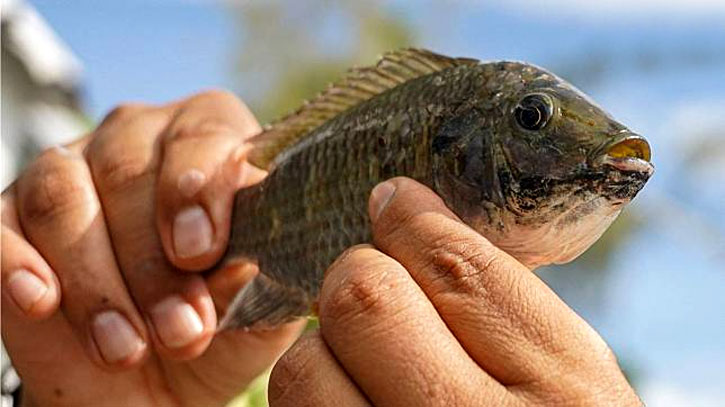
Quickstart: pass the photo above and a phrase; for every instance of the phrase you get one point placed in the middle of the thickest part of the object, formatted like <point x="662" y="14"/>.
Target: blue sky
<point x="662" y="305"/>
<point x="144" y="51"/>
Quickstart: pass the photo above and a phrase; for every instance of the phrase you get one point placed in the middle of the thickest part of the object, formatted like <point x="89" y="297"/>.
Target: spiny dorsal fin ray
<point x="359" y="85"/>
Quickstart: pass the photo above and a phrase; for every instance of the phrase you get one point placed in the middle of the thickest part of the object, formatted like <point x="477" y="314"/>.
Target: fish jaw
<point x="561" y="239"/>
<point x="625" y="159"/>
<point x="558" y="238"/>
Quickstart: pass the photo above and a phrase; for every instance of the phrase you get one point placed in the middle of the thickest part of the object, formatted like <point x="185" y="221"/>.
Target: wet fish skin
<point x="543" y="196"/>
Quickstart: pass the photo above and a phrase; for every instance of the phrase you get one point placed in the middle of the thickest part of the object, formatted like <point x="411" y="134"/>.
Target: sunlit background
<point x="654" y="286"/>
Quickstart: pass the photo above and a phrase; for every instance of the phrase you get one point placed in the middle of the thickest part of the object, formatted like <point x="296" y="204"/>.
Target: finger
<point x="60" y="213"/>
<point x="382" y="329"/>
<point x="309" y="375"/>
<point x="507" y="319"/>
<point x="203" y="166"/>
<point x="124" y="161"/>
<point x="29" y="284"/>
<point x="246" y="354"/>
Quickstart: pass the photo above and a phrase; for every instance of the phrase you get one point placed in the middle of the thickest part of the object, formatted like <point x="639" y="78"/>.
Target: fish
<point x="520" y="155"/>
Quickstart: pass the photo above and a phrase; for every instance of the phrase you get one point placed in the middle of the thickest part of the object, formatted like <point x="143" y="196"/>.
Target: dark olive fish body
<point x="313" y="205"/>
<point x="459" y="127"/>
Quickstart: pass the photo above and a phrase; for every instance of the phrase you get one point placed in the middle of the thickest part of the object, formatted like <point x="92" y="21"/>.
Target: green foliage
<point x="291" y="51"/>
<point x="255" y="396"/>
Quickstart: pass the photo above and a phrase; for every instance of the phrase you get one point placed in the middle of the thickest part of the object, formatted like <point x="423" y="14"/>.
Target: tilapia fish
<point x="519" y="154"/>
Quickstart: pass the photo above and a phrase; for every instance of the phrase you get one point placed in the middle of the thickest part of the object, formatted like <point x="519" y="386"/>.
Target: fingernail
<point x="380" y="198"/>
<point x="116" y="339"/>
<point x="192" y="232"/>
<point x="177" y="323"/>
<point x="26" y="289"/>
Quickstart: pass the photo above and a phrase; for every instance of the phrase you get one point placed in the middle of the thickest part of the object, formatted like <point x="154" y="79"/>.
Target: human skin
<point x="103" y="302"/>
<point x="435" y="315"/>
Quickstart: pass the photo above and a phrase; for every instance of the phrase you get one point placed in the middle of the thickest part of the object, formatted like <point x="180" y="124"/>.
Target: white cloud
<point x="662" y="394"/>
<point x="599" y="9"/>
<point x="611" y="9"/>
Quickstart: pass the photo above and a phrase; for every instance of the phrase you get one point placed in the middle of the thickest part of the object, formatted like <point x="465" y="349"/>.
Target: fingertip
<point x="354" y="283"/>
<point x="380" y="197"/>
<point x="194" y="234"/>
<point x="339" y="263"/>
<point x="226" y="281"/>
<point x="35" y="295"/>
<point x="204" y="164"/>
<point x="115" y="344"/>
<point x="183" y="325"/>
<point x="400" y="198"/>
<point x="28" y="282"/>
<point x="194" y="215"/>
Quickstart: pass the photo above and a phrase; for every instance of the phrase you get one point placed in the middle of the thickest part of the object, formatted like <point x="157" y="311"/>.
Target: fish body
<point x="517" y="153"/>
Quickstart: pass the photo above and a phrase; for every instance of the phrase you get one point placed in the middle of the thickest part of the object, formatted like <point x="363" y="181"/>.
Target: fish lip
<point x="626" y="164"/>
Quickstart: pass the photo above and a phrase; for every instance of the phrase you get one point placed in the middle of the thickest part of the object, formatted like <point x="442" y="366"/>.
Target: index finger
<point x="203" y="165"/>
<point x="383" y="330"/>
<point x="507" y="319"/>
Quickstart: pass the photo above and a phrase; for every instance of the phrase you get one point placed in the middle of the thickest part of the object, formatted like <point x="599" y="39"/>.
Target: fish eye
<point x="534" y="111"/>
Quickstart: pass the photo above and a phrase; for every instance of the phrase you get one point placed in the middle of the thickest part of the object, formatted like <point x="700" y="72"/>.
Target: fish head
<point x="554" y="133"/>
<point x="543" y="170"/>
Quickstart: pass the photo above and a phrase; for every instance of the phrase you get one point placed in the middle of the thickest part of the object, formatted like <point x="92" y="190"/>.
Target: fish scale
<point x="333" y="189"/>
<point x="439" y="120"/>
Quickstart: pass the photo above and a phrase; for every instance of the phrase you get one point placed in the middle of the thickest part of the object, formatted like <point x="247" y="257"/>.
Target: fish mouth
<point x="627" y="152"/>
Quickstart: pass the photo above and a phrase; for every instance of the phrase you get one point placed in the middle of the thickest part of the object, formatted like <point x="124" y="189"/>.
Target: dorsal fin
<point x="358" y="85"/>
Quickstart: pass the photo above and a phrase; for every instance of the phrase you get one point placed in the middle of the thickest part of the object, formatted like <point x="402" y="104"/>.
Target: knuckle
<point x="462" y="265"/>
<point x="439" y="393"/>
<point x="207" y="128"/>
<point x="608" y="356"/>
<point x="550" y="337"/>
<point x="361" y="294"/>
<point x="53" y="185"/>
<point x="343" y="258"/>
<point x="464" y="273"/>
<point x="145" y="263"/>
<point x="364" y="290"/>
<point x="123" y="112"/>
<point x="216" y="95"/>
<point x="591" y="349"/>
<point x="295" y="367"/>
<point x="123" y="147"/>
<point x="118" y="172"/>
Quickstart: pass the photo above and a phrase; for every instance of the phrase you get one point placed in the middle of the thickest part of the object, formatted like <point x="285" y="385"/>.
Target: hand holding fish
<point x="100" y="304"/>
<point x="140" y="224"/>
<point x="435" y="315"/>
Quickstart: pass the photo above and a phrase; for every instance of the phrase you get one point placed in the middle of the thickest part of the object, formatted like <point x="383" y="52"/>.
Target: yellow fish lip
<point x="628" y="152"/>
<point x="629" y="145"/>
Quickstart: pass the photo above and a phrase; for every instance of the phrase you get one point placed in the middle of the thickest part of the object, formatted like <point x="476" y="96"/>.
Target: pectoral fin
<point x="264" y="303"/>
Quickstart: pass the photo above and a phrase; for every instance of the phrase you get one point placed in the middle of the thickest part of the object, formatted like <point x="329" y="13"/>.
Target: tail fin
<point x="264" y="303"/>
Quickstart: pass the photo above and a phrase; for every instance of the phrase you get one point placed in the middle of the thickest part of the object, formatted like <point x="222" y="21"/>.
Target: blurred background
<point x="653" y="286"/>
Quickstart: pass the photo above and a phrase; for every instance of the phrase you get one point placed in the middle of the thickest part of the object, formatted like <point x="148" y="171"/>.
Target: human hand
<point x="100" y="241"/>
<point x="435" y="315"/>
